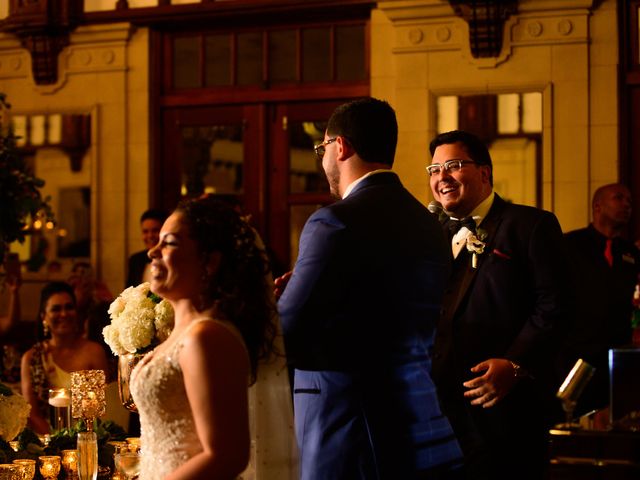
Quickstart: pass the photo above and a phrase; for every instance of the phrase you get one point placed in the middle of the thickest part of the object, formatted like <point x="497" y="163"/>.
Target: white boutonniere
<point x="476" y="245"/>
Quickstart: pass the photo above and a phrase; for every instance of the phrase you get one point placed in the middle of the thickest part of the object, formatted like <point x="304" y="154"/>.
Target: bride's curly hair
<point x="241" y="287"/>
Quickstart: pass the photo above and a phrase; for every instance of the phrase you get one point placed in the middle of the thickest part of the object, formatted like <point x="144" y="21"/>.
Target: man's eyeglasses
<point x="321" y="147"/>
<point x="450" y="166"/>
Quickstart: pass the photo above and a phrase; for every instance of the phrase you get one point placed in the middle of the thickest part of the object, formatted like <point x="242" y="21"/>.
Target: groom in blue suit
<point x="359" y="312"/>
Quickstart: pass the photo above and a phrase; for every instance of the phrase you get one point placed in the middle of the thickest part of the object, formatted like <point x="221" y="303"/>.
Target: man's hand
<point x="493" y="385"/>
<point x="280" y="283"/>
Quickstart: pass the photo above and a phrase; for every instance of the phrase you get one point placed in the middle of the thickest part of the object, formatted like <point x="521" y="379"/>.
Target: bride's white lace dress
<point x="168" y="434"/>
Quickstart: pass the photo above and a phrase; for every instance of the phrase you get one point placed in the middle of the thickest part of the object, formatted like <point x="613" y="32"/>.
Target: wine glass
<point x="28" y="467"/>
<point x="49" y="466"/>
<point x="128" y="463"/>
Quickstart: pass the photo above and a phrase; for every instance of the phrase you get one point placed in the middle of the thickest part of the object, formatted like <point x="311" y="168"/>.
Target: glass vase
<point x="126" y="364"/>
<point x="87" y="456"/>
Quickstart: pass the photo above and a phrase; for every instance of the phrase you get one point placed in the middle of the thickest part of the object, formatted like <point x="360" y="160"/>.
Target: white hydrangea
<point x="137" y="321"/>
<point x="163" y="320"/>
<point x="14" y="411"/>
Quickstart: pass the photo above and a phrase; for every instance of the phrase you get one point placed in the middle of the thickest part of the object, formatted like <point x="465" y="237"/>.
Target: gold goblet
<point x="28" y="467"/>
<point x="49" y="466"/>
<point x="70" y="463"/>
<point x="10" y="472"/>
<point x="134" y="443"/>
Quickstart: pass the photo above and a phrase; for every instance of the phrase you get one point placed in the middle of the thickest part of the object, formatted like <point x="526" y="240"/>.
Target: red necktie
<point x="608" y="254"/>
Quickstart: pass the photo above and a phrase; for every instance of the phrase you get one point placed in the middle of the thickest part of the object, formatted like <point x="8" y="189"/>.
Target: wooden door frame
<point x="167" y="179"/>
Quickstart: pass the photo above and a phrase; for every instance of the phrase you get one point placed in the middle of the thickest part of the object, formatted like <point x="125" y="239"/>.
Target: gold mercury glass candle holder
<point x="49" y="466"/>
<point x="9" y="471"/>
<point x="87" y="395"/>
<point x="88" y="402"/>
<point x="70" y="463"/>
<point x="28" y="466"/>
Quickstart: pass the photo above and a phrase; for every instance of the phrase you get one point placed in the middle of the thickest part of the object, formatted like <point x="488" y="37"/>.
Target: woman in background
<point x="61" y="349"/>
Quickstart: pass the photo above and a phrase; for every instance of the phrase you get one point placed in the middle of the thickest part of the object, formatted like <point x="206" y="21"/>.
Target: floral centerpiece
<point x="14" y="412"/>
<point x="140" y="320"/>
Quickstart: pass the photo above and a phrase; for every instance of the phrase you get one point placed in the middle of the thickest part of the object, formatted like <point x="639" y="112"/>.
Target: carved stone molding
<point x="564" y="22"/>
<point x="43" y="27"/>
<point x="486" y="19"/>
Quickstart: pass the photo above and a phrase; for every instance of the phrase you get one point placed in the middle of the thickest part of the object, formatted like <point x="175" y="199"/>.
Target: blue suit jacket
<point x="358" y="316"/>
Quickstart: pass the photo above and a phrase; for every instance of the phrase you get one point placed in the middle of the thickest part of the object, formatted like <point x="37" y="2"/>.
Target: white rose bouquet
<point x="14" y="411"/>
<point x="139" y="321"/>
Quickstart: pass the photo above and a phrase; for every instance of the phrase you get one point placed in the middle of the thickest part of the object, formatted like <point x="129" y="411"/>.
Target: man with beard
<point x="605" y="267"/>
<point x="358" y="315"/>
<point x="504" y="303"/>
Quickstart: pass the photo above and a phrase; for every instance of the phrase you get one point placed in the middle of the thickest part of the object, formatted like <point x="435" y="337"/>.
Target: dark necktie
<point x="455" y="225"/>
<point x="608" y="252"/>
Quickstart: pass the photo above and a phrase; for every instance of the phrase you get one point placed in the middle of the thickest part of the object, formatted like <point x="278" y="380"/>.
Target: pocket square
<point x="500" y="254"/>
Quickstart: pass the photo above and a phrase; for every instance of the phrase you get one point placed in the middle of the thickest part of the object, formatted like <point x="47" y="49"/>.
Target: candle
<point x="88" y="396"/>
<point x="70" y="462"/>
<point x="49" y="466"/>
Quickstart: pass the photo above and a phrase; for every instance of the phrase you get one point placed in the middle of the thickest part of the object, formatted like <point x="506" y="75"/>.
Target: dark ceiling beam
<point x="217" y="13"/>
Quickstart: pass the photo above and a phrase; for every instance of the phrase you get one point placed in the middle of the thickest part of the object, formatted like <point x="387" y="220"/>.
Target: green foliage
<point x="66" y="439"/>
<point x="19" y="190"/>
<point x="28" y="437"/>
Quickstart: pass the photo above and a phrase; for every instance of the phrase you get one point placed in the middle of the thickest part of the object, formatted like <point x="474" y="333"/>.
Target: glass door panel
<point x="305" y="169"/>
<point x="298" y="183"/>
<point x="212" y="160"/>
<point x="213" y="150"/>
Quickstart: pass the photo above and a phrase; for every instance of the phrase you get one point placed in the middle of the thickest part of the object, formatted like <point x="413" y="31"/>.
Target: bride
<point x="191" y="391"/>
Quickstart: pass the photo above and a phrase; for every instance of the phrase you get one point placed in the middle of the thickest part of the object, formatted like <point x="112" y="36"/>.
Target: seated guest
<point x="91" y="295"/>
<point x="150" y="224"/>
<point x="13" y="281"/>
<point x="9" y="334"/>
<point x="60" y="349"/>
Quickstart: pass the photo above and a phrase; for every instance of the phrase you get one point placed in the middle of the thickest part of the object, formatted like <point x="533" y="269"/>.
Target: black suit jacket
<point x="512" y="306"/>
<point x="137" y="262"/>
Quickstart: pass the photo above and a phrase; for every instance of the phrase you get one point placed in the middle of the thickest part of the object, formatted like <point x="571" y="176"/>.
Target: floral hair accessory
<point x="140" y="320"/>
<point x="476" y="245"/>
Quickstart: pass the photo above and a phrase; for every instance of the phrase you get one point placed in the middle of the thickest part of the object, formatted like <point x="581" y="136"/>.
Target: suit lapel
<point x="490" y="226"/>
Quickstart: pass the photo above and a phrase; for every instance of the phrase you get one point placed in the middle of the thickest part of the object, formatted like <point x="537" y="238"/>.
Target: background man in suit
<point x="359" y="312"/>
<point x="150" y="224"/>
<point x="605" y="267"/>
<point x="501" y="310"/>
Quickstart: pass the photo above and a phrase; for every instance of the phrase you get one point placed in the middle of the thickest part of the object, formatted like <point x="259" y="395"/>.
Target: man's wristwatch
<point x="518" y="371"/>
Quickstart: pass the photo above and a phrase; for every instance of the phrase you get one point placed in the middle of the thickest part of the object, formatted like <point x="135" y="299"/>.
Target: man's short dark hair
<point x="154" y="214"/>
<point x="370" y="127"/>
<point x="475" y="148"/>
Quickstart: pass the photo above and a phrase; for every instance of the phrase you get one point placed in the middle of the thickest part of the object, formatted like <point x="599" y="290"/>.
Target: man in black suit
<point x="605" y="267"/>
<point x="504" y="304"/>
<point x="150" y="224"/>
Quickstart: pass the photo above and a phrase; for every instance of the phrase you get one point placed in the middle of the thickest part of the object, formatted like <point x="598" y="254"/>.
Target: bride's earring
<point x="45" y="328"/>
